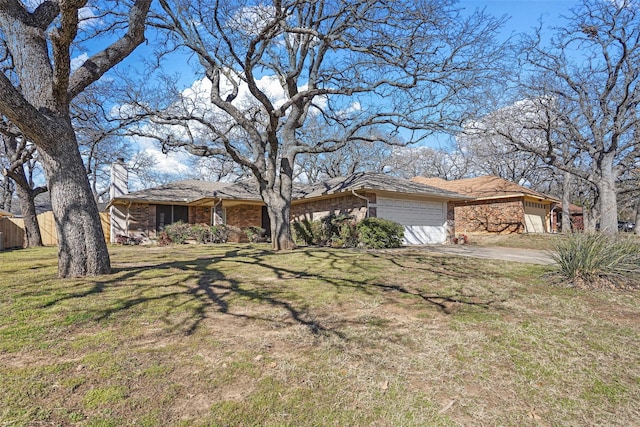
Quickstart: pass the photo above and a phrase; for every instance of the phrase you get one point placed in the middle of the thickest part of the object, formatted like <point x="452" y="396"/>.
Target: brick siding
<point x="243" y="216"/>
<point x="340" y="205"/>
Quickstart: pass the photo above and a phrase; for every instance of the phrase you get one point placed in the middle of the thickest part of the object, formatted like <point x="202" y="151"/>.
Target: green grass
<point x="239" y="335"/>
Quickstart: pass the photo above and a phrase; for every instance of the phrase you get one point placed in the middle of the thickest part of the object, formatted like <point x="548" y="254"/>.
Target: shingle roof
<point x="371" y="181"/>
<point x="483" y="187"/>
<point x="190" y="191"/>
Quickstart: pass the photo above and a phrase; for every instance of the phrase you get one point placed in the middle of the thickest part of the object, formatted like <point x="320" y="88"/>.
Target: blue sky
<point x="522" y="15"/>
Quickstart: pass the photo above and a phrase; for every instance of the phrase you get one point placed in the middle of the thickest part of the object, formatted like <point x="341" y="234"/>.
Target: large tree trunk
<point x="276" y="191"/>
<point x="279" y="210"/>
<point x="82" y="249"/>
<point x="566" y="212"/>
<point x="26" y="196"/>
<point x="608" y="197"/>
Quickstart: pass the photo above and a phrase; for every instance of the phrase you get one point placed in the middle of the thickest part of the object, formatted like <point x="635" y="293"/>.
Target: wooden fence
<point x="13" y="230"/>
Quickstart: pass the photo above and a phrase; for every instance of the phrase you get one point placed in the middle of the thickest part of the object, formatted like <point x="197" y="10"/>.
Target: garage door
<point x="535" y="217"/>
<point x="424" y="222"/>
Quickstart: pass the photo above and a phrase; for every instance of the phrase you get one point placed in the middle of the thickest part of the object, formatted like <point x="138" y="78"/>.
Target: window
<point x="168" y="214"/>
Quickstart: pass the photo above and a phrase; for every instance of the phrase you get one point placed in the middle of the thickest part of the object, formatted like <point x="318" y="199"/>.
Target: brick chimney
<point x="119" y="179"/>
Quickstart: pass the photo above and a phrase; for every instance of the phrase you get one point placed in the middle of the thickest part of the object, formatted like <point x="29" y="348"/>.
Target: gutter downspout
<point x="363" y="198"/>
<point x="551" y="220"/>
<point x="213" y="210"/>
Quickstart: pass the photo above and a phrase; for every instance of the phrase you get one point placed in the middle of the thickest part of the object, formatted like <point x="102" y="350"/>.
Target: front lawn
<point x="238" y="335"/>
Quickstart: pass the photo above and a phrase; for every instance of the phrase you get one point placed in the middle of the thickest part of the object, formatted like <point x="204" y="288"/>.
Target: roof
<point x="190" y="191"/>
<point x="371" y="181"/>
<point x="5" y="213"/>
<point x="484" y="187"/>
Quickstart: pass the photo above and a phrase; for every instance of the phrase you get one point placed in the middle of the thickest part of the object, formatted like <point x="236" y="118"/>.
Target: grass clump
<point x="597" y="261"/>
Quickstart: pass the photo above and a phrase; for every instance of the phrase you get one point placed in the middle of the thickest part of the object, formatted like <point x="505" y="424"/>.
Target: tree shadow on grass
<point x="197" y="287"/>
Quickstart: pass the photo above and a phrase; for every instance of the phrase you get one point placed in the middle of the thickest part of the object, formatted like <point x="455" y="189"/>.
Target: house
<point x="575" y="217"/>
<point x="421" y="209"/>
<point x="498" y="206"/>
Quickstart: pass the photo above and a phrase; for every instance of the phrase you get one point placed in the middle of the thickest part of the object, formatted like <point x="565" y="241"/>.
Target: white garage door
<point x="424" y="222"/>
<point x="535" y="217"/>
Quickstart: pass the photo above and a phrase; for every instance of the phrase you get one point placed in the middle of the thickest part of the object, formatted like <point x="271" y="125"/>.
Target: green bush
<point x="178" y="232"/>
<point x="378" y="233"/>
<point x="342" y="231"/>
<point x="201" y="233"/>
<point x="255" y="234"/>
<point x="595" y="260"/>
<point x="306" y="232"/>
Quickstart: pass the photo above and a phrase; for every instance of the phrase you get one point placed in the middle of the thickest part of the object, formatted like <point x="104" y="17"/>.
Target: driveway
<point x="530" y="256"/>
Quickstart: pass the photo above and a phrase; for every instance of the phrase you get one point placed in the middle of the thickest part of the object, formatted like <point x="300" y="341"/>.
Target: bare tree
<point x="445" y="163"/>
<point x="269" y="66"/>
<point x="103" y="139"/>
<point x="35" y="95"/>
<point x="20" y="154"/>
<point x="582" y="90"/>
<point x="367" y="155"/>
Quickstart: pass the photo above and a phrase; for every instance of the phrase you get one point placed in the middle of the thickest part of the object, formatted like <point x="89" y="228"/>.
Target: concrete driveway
<point x="530" y="256"/>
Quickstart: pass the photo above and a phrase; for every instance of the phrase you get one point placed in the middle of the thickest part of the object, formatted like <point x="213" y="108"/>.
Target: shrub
<point x="255" y="234"/>
<point x="164" y="239"/>
<point x="595" y="261"/>
<point x="178" y="232"/>
<point x="338" y="231"/>
<point x="219" y="233"/>
<point x="128" y="240"/>
<point x="200" y="233"/>
<point x="378" y="233"/>
<point x="306" y="232"/>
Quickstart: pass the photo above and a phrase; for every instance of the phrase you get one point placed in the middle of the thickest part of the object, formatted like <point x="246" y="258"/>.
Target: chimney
<point x="119" y="179"/>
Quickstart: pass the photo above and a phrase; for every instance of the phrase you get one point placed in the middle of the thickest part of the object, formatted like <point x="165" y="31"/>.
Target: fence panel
<point x="48" y="229"/>
<point x="12" y="230"/>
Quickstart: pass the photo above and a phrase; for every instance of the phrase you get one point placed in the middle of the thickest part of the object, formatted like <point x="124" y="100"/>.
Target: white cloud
<point x="78" y="61"/>
<point x="252" y="19"/>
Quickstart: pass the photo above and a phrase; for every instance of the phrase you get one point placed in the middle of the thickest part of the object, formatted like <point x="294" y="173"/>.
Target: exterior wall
<point x="243" y="216"/>
<point x="488" y="216"/>
<point x="138" y="219"/>
<point x="199" y="215"/>
<point x="340" y="205"/>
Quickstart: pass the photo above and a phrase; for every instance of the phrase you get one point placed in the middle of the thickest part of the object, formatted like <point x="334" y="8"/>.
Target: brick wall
<point x="199" y="215"/>
<point x="489" y="216"/>
<point x="142" y="220"/>
<point x="243" y="216"/>
<point x="343" y="204"/>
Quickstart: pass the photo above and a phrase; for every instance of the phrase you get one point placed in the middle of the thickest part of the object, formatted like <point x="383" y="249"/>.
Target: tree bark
<point x="636" y="231"/>
<point x="608" y="196"/>
<point x="82" y="249"/>
<point x="566" y="195"/>
<point x="276" y="191"/>
<point x="27" y="195"/>
<point x="279" y="210"/>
